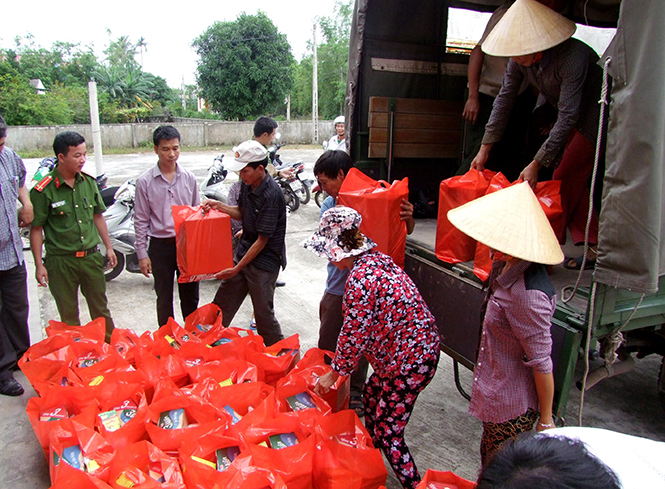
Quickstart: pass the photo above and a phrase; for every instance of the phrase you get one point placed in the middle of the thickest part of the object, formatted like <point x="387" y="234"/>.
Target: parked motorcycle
<point x="120" y="223"/>
<point x="290" y="197"/>
<point x="319" y="195"/>
<point x="291" y="174"/>
<point x="212" y="186"/>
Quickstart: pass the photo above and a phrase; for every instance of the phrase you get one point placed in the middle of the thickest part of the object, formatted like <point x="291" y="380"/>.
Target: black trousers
<point x="162" y="253"/>
<point x="14" y="332"/>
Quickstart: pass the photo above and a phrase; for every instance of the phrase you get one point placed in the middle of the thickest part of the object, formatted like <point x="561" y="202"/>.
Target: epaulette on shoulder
<point x="43" y="183"/>
<point x="84" y="174"/>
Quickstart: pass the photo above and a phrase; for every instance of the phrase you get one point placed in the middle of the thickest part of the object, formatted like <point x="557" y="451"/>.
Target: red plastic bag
<point x="312" y="366"/>
<point x="243" y="475"/>
<point x="203" y="241"/>
<point x="205" y="323"/>
<point x="378" y="202"/>
<point x="93" y="358"/>
<point x="70" y="478"/>
<point x="245" y="400"/>
<point x="140" y="464"/>
<point x="165" y="367"/>
<point x="222" y="373"/>
<point x="61" y="405"/>
<point x="82" y="446"/>
<point x="95" y="330"/>
<point x="548" y="194"/>
<point x="202" y="417"/>
<point x="275" y="361"/>
<point x="482" y="263"/>
<point x="295" y="395"/>
<point x="131" y="398"/>
<point x="50" y="370"/>
<point x="104" y="385"/>
<point x="452" y="245"/>
<point x="126" y="342"/>
<point x="195" y="453"/>
<point x="345" y="456"/>
<point x="435" y="479"/>
<point x="292" y="463"/>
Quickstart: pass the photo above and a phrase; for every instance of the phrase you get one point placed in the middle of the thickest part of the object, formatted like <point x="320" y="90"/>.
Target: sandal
<point x="356" y="403"/>
<point x="576" y="263"/>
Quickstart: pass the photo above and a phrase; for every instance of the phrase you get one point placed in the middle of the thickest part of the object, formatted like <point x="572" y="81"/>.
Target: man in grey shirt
<point x="566" y="74"/>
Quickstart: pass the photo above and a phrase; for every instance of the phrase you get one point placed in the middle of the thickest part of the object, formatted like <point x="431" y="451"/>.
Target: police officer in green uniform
<point x="68" y="209"/>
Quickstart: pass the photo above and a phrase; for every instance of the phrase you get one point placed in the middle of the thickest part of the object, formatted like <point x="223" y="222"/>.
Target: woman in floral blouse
<point x="387" y="320"/>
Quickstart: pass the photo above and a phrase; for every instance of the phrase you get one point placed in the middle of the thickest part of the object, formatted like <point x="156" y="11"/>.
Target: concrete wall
<point x="199" y="133"/>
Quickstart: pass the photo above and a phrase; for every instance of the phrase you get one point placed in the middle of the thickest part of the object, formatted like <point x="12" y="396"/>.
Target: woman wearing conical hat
<point x="513" y="385"/>
<point x="565" y="72"/>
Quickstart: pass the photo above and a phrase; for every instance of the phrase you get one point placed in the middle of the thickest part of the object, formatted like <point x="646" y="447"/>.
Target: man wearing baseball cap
<point x="261" y="249"/>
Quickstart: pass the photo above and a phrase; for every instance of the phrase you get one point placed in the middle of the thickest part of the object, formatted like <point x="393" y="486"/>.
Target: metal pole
<point x="96" y="131"/>
<point x="315" y="91"/>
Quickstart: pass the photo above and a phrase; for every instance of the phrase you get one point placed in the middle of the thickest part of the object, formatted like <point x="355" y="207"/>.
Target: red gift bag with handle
<point x="452" y="245"/>
<point x="436" y="479"/>
<point x="203" y="241"/>
<point x="378" y="202"/>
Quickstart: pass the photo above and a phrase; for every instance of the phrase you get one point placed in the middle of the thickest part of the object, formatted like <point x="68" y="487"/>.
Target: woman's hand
<point x="325" y="382"/>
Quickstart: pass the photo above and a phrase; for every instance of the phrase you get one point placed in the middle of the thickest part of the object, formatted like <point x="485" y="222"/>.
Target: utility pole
<point x="315" y="91"/>
<point x="288" y="107"/>
<point x="184" y="106"/>
<point x="96" y="130"/>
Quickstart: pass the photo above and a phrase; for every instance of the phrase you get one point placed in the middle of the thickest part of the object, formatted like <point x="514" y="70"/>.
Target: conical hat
<point x="527" y="27"/>
<point x="511" y="221"/>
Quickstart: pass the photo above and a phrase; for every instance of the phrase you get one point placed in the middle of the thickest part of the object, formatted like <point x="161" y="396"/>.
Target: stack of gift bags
<point x="452" y="245"/>
<point x="198" y="406"/>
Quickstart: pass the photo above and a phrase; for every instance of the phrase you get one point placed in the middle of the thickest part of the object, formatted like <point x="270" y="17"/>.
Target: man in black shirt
<point x="261" y="249"/>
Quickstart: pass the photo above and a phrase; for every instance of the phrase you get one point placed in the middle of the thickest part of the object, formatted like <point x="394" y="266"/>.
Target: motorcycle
<point x="290" y="197"/>
<point x="120" y="223"/>
<point x="291" y="174"/>
<point x="212" y="186"/>
<point x="46" y="166"/>
<point x="319" y="195"/>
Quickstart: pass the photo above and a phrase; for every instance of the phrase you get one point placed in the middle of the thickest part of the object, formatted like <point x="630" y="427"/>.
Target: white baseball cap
<point x="245" y="153"/>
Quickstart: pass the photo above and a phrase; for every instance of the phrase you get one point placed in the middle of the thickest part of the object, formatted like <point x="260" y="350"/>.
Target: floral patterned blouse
<point x="385" y="318"/>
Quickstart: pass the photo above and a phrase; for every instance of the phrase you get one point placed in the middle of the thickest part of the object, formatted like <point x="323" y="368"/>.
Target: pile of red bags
<point x="452" y="245"/>
<point x="197" y="406"/>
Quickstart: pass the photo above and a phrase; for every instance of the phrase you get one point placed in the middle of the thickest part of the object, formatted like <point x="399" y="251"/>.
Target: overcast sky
<point x="169" y="27"/>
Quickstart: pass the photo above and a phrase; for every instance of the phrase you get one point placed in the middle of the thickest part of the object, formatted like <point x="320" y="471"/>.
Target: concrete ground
<point x="441" y="434"/>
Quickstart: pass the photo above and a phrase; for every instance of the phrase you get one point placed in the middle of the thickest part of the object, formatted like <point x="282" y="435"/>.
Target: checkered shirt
<point x="516" y="341"/>
<point x="12" y="177"/>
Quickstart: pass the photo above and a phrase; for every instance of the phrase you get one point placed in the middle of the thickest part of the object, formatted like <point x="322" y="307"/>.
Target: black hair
<point x="331" y="162"/>
<point x="256" y="164"/>
<point x="3" y="127"/>
<point x="165" y="133"/>
<point x="65" y="140"/>
<point x="264" y="124"/>
<point x="545" y="462"/>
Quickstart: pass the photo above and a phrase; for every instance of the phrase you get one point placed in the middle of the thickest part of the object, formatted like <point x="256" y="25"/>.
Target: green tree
<point x="245" y="67"/>
<point x="333" y="59"/>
